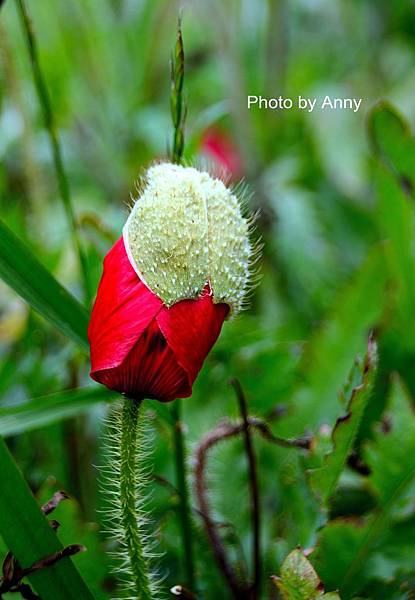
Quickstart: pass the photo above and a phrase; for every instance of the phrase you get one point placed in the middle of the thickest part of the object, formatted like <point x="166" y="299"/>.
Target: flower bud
<point x="180" y="268"/>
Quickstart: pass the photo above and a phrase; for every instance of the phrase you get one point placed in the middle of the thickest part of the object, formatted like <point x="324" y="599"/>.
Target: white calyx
<point x="186" y="229"/>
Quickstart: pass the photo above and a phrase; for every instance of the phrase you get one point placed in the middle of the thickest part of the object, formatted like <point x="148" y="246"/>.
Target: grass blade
<point x="21" y="270"/>
<point x="44" y="410"/>
<point x="46" y="106"/>
<point x="29" y="536"/>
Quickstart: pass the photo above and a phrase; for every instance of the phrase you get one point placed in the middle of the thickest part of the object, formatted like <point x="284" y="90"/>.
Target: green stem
<point x="129" y="469"/>
<point x="181" y="484"/>
<point x="46" y="107"/>
<point x="178" y="115"/>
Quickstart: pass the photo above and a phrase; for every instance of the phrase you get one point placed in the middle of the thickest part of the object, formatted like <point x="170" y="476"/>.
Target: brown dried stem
<point x="12" y="571"/>
<point x="223" y="431"/>
<point x="254" y="490"/>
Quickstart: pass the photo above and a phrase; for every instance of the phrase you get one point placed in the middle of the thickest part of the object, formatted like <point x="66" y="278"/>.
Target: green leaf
<point x="299" y="580"/>
<point x="332" y="350"/>
<point x="44" y="410"/>
<point x="94" y="565"/>
<point x="337" y="544"/>
<point x="390" y="455"/>
<point x="397" y="225"/>
<point x="325" y="479"/>
<point x="28" y="535"/>
<point x="392" y="142"/>
<point x="397" y="550"/>
<point x="399" y="588"/>
<point x="22" y="271"/>
<point x="345" y="547"/>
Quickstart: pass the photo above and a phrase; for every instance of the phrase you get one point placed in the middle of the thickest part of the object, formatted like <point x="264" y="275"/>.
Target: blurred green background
<point x="335" y="198"/>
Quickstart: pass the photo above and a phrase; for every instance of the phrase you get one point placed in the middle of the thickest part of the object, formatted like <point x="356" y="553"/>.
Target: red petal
<point x="150" y="370"/>
<point x="140" y="347"/>
<point x="191" y="327"/>
<point x="124" y="307"/>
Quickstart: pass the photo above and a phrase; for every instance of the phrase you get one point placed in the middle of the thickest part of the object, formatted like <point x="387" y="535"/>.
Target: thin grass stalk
<point x="184" y="506"/>
<point x="46" y="107"/>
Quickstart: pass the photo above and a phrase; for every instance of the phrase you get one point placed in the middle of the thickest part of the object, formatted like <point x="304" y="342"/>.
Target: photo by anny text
<point x="303" y="103"/>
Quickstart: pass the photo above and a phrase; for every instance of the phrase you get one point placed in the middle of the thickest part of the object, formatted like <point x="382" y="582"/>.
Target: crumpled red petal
<point x="123" y="309"/>
<point x="191" y="327"/>
<point x="150" y="370"/>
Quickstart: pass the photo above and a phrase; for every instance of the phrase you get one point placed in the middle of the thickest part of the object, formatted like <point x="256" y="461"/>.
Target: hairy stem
<point x="46" y="106"/>
<point x="184" y="506"/>
<point x="128" y="500"/>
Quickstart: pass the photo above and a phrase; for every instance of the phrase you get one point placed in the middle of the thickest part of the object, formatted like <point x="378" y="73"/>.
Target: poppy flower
<point x="181" y="267"/>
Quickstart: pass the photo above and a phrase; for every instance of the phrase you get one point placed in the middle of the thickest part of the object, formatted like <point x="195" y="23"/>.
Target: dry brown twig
<point x="223" y="431"/>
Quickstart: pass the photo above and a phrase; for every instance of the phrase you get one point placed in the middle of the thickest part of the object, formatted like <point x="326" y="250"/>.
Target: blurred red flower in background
<point x="220" y="149"/>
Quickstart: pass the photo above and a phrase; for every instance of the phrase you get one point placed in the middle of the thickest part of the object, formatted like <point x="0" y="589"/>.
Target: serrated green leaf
<point x="299" y="580"/>
<point x="345" y="548"/>
<point x="334" y="347"/>
<point x="325" y="479"/>
<point x="22" y="271"/>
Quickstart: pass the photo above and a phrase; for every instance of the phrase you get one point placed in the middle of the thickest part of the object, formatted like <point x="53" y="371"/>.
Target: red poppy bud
<point x="161" y="301"/>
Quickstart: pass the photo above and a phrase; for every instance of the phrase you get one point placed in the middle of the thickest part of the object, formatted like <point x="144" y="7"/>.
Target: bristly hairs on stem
<point x="177" y="104"/>
<point x="46" y="107"/>
<point x="124" y="479"/>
